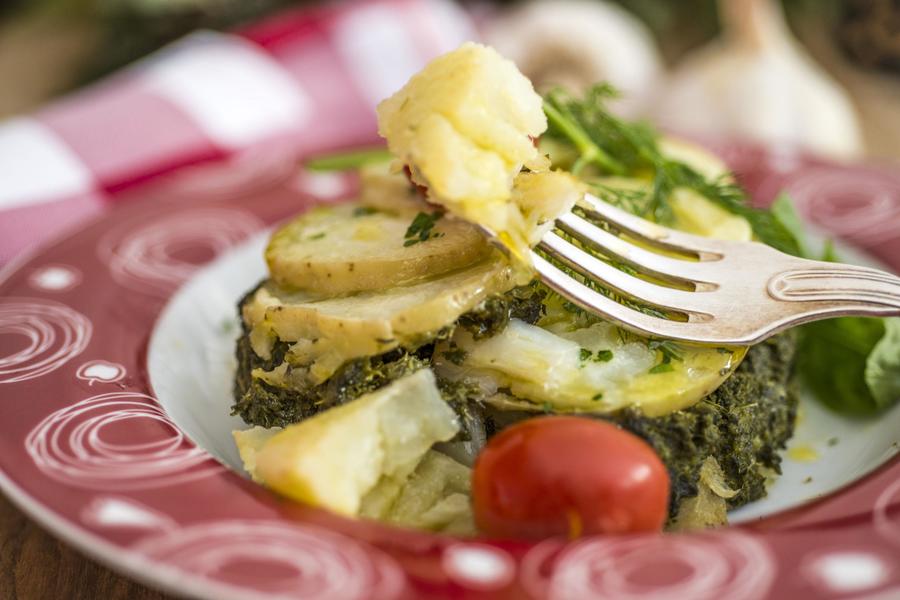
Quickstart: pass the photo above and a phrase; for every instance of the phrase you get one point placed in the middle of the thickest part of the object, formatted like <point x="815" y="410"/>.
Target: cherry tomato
<point x="568" y="475"/>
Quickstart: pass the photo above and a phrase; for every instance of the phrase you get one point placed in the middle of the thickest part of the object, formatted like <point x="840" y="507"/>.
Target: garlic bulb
<point x="576" y="43"/>
<point x="756" y="83"/>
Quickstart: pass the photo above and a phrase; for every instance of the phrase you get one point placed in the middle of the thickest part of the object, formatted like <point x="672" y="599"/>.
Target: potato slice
<point x="337" y="457"/>
<point x="695" y="214"/>
<point x="386" y="187"/>
<point x="334" y="330"/>
<point x="341" y="249"/>
<point x="593" y="369"/>
<point x="695" y="156"/>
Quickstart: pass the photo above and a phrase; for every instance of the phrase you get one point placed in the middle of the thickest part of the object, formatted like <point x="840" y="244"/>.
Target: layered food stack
<point x="401" y="338"/>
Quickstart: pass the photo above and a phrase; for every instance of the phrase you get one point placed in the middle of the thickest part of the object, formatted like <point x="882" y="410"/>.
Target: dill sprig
<point x="608" y="145"/>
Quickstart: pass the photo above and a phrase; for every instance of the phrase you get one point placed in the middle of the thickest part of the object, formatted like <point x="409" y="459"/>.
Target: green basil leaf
<point x="882" y="372"/>
<point x="831" y="360"/>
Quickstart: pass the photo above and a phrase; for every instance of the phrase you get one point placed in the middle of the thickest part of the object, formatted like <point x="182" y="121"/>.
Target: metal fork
<point x="722" y="292"/>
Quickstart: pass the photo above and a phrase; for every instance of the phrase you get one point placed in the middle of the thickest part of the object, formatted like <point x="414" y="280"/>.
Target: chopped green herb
<point x="547" y="407"/>
<point x="487" y="319"/>
<point x="317" y="236"/>
<point x="670" y="350"/>
<point x="603" y="356"/>
<point x="597" y="397"/>
<point x="420" y="230"/>
<point x="833" y="441"/>
<point x="455" y="354"/>
<point x="345" y="161"/>
<point x="634" y="201"/>
<point x="600" y="356"/>
<point x="362" y="211"/>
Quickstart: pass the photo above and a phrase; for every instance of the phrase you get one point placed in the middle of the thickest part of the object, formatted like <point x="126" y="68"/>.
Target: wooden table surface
<point x="34" y="565"/>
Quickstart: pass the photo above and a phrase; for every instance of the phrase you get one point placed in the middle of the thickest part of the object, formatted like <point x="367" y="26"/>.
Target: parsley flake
<point x="455" y="354"/>
<point x="600" y="356"/>
<point x="420" y="230"/>
<point x="603" y="356"/>
<point x="362" y="211"/>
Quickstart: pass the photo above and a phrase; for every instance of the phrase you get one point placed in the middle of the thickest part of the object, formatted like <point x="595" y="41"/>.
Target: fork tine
<point x="704" y="248"/>
<point x="648" y="293"/>
<point x="775" y="290"/>
<point x="711" y="332"/>
<point x="678" y="271"/>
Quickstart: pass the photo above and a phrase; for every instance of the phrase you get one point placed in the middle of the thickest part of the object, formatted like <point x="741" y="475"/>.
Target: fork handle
<point x="838" y="283"/>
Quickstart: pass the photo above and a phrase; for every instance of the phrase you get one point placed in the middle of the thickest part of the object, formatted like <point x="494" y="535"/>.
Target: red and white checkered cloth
<point x="307" y="80"/>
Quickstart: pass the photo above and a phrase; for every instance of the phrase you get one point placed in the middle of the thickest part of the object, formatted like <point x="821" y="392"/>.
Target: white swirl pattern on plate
<point x="145" y="258"/>
<point x="278" y="559"/>
<point x="705" y="567"/>
<point x="68" y="446"/>
<point x="886" y="524"/>
<point x="859" y="206"/>
<point x="54" y="334"/>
